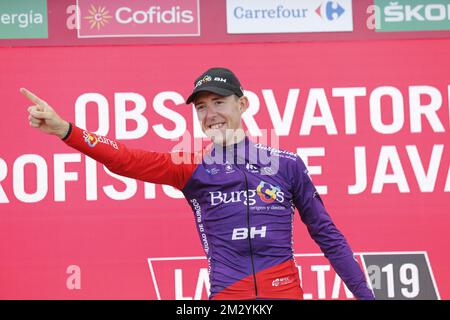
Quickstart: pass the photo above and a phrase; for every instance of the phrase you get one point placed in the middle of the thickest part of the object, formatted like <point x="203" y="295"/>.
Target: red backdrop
<point x="110" y="241"/>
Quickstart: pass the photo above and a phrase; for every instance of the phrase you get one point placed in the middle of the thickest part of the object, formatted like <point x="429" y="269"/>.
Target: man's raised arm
<point x="150" y="166"/>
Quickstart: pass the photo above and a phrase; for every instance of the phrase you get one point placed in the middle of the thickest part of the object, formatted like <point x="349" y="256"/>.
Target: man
<point x="242" y="194"/>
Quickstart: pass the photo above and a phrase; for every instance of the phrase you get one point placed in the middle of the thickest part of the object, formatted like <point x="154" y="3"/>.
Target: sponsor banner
<point x="269" y="16"/>
<point x="116" y="18"/>
<point x="23" y="19"/>
<point x="401" y="276"/>
<point x="65" y="28"/>
<point x="391" y="275"/>
<point x="376" y="147"/>
<point x="413" y="15"/>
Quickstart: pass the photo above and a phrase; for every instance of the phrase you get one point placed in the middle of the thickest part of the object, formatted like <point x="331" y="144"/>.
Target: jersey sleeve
<point x="324" y="232"/>
<point x="172" y="168"/>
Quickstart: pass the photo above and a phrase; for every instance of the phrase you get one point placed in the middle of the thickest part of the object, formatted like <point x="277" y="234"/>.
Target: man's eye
<point x="200" y="108"/>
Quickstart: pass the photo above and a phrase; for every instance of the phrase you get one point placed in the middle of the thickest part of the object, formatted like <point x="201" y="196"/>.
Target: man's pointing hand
<point x="43" y="117"/>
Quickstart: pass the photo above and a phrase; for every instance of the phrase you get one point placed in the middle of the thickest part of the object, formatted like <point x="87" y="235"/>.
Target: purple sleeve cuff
<point x="350" y="272"/>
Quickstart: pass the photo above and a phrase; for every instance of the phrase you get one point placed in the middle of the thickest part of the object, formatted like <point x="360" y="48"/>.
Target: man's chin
<point x="217" y="136"/>
<point x="224" y="137"/>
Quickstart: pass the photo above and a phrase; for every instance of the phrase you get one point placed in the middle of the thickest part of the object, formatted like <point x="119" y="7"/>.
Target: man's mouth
<point x="216" y="125"/>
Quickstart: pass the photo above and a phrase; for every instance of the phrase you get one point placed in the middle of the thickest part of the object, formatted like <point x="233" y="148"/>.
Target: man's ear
<point x="243" y="104"/>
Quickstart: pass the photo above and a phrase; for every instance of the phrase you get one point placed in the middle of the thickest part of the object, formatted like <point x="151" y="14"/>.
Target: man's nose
<point x="210" y="112"/>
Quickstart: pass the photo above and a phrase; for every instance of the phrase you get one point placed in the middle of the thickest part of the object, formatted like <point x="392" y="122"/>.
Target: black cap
<point x="220" y="81"/>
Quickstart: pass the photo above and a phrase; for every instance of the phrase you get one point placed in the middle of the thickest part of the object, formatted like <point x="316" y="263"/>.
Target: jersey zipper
<point x="248" y="231"/>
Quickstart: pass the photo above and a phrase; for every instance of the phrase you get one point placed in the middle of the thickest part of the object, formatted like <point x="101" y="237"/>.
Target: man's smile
<point x="217" y="125"/>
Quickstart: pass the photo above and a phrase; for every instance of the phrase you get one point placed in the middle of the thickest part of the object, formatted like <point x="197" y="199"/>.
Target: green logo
<point x="23" y="19"/>
<point x="412" y="15"/>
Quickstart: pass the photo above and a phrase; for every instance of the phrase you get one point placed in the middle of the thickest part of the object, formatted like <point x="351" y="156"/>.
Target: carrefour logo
<point x="330" y="10"/>
<point x="279" y="16"/>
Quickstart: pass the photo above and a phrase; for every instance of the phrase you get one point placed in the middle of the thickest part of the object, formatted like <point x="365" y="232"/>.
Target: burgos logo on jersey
<point x="266" y="192"/>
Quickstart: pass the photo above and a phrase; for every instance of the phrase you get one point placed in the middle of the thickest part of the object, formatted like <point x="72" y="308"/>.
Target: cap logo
<point x="203" y="80"/>
<point x="220" y="79"/>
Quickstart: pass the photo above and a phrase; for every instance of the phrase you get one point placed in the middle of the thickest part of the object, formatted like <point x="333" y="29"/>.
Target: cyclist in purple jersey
<point x="243" y="195"/>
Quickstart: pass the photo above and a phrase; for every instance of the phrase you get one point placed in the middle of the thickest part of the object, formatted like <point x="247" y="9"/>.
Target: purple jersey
<point x="243" y="198"/>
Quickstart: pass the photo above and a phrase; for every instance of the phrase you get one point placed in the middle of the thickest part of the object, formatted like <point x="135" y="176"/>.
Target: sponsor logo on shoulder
<point x="251" y="168"/>
<point x="268" y="171"/>
<point x="229" y="168"/>
<point x="213" y="171"/>
<point x="92" y="140"/>
<point x="277" y="152"/>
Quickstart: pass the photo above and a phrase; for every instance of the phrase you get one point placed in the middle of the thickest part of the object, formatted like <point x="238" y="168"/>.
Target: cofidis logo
<point x="139" y="18"/>
<point x="283" y="16"/>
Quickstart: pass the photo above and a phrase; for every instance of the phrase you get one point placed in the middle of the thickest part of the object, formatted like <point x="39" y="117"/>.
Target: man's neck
<point x="238" y="136"/>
